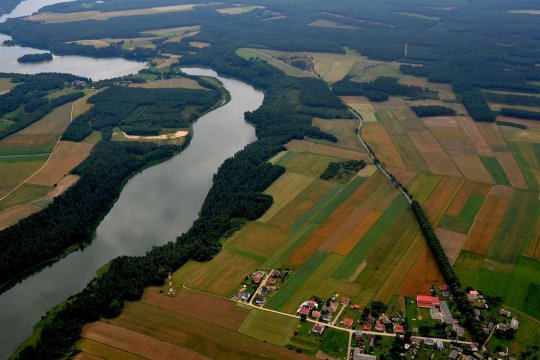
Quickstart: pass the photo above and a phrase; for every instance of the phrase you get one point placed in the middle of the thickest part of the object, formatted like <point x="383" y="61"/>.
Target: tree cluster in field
<point x="520" y="114"/>
<point x="343" y="170"/>
<point x="139" y="111"/>
<point x="511" y="124"/>
<point x="72" y="217"/>
<point x="464" y="306"/>
<point x="236" y="192"/>
<point x="30" y="96"/>
<point x="380" y="89"/>
<point x="35" y="58"/>
<point x="433" y="110"/>
<point x="475" y="103"/>
<point x="511" y="99"/>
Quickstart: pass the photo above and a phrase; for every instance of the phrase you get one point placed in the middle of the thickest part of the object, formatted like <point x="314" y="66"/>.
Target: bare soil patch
<point x="438" y="161"/>
<point x="440" y="121"/>
<point x="64" y="184"/>
<point x="451" y="242"/>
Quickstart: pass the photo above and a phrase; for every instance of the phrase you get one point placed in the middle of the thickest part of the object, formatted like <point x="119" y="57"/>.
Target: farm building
<point x="427" y="301"/>
<point x="271" y="281"/>
<point x="257" y="279"/>
<point x="504" y="312"/>
<point x="311" y="304"/>
<point x="443" y="287"/>
<point x="326" y="318"/>
<point x="446" y="317"/>
<point x="264" y="290"/>
<point x="317" y="329"/>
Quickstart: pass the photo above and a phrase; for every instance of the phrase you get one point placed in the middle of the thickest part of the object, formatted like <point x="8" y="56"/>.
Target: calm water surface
<point x="96" y="69"/>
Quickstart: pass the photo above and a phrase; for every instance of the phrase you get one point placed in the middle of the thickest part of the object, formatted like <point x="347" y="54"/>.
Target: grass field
<point x="183" y="83"/>
<point x="13" y="173"/>
<point x="343" y="130"/>
<point x="325" y="149"/>
<point x="248" y="53"/>
<point x="258" y="238"/>
<point x="269" y="327"/>
<point x="495" y="170"/>
<point x="25" y="194"/>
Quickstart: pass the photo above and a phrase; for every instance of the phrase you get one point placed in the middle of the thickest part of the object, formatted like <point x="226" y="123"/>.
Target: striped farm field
<point x="534" y="247"/>
<point x="527" y="156"/>
<point x="486" y="224"/>
<point x="517" y="228"/>
<point x="472" y="207"/>
<point x="436" y="158"/>
<point x="222" y="275"/>
<point x="441" y="121"/>
<point x="298" y="206"/>
<point x="14" y="173"/>
<point x="468" y="189"/>
<point x="472" y="168"/>
<point x="422" y="185"/>
<point x="324" y="149"/>
<point x="424" y="273"/>
<point x="492" y="135"/>
<point x="448" y="133"/>
<point x="269" y="327"/>
<point x="93" y="350"/>
<point x="451" y="242"/>
<point x="471" y="130"/>
<point x="441" y="198"/>
<point x="411" y="156"/>
<point x="511" y="169"/>
<point x="377" y="137"/>
<point x="495" y="169"/>
<point x="307" y="164"/>
<point x="258" y="238"/>
<point x="284" y="190"/>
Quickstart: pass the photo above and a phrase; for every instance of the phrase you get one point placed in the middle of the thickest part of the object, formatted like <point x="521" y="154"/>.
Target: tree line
<point x="380" y="89"/>
<point x="433" y="110"/>
<point x="464" y="306"/>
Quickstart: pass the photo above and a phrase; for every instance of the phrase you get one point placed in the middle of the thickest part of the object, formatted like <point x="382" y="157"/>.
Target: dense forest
<point x="29" y="97"/>
<point x="35" y="58"/>
<point x="140" y="111"/>
<point x="433" y="110"/>
<point x="236" y="193"/>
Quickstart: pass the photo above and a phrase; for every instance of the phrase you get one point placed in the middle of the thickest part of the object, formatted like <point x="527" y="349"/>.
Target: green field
<point x="283" y="66"/>
<point x="527" y="159"/>
<point x="8" y="151"/>
<point x="296" y="280"/>
<point x="455" y="224"/>
<point x="25" y="194"/>
<point x="335" y="343"/>
<point x="495" y="170"/>
<point x="269" y="327"/>
<point x="472" y="207"/>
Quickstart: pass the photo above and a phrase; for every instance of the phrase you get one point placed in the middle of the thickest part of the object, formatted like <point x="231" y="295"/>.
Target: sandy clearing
<point x="137" y="343"/>
<point x="238" y="10"/>
<point x="14" y="214"/>
<point x="178" y="134"/>
<point x="529" y="12"/>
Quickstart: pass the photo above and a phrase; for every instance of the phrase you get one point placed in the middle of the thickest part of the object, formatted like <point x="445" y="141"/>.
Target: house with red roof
<point x="345" y="300"/>
<point x="317" y="329"/>
<point x="398" y="329"/>
<point x="443" y="287"/>
<point x="355" y="306"/>
<point x="316" y="315"/>
<point x="366" y="327"/>
<point x="379" y="326"/>
<point x="271" y="281"/>
<point x="347" y="322"/>
<point x="425" y="301"/>
<point x="311" y="304"/>
<point x="303" y="311"/>
<point x="256" y="279"/>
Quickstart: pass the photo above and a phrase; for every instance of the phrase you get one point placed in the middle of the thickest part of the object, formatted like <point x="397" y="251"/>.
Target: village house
<point x="398" y="329"/>
<point x="358" y="335"/>
<point x="345" y="301"/>
<point x="347" y="322"/>
<point x="245" y="296"/>
<point x="326" y="317"/>
<point x="514" y="324"/>
<point x="311" y="304"/>
<point x="303" y="311"/>
<point x="317" y="329"/>
<point x="504" y="312"/>
<point x="453" y="355"/>
<point x="366" y="327"/>
<point x="425" y="301"/>
<point x="271" y="281"/>
<point x="316" y="315"/>
<point x="379" y="326"/>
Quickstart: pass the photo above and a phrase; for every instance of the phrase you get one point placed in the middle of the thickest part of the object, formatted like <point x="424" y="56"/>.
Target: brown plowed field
<point x="448" y="133"/>
<point x="343" y="130"/>
<point x="511" y="169"/>
<point x="501" y="191"/>
<point x="485" y="227"/>
<point x="137" y="343"/>
<point x="12" y="215"/>
<point x="491" y="134"/>
<point x="441" y="198"/>
<point x="451" y="242"/>
<point x="471" y="130"/>
<point x="458" y="147"/>
<point x="472" y="168"/>
<point x="66" y="156"/>
<point x="300" y="256"/>
<point x="402" y="175"/>
<point x="440" y="121"/>
<point x="259" y="238"/>
<point x="376" y="136"/>
<point x="424" y="273"/>
<point x="199" y="305"/>
<point x="438" y="161"/>
<point x="463" y="195"/>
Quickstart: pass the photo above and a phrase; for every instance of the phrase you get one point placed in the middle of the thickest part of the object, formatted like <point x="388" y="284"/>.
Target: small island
<point x="35" y="58"/>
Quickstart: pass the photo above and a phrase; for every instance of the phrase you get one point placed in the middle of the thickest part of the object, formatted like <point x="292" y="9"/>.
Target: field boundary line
<point x="48" y="159"/>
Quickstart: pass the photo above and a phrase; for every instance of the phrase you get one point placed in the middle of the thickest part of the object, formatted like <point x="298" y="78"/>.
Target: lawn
<point x="335" y="343"/>
<point x="269" y="327"/>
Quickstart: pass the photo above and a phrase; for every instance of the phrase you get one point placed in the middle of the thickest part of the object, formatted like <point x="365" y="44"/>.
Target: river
<point x="96" y="69"/>
<point x="154" y="207"/>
